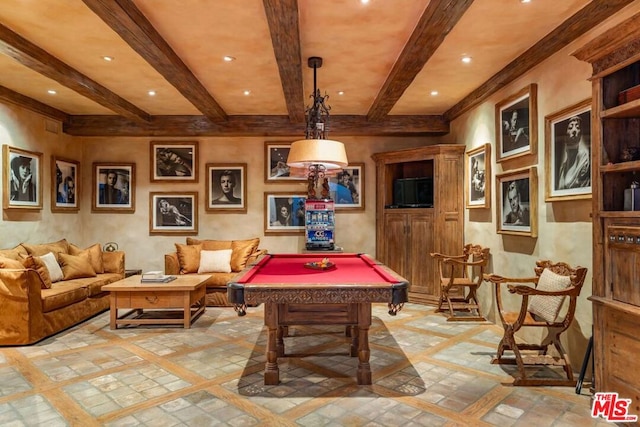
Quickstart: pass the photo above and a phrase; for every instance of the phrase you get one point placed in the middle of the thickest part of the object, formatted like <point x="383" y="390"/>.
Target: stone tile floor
<point x="426" y="372"/>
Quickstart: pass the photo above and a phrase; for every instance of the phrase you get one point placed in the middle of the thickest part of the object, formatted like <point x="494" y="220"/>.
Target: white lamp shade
<point x="306" y="152"/>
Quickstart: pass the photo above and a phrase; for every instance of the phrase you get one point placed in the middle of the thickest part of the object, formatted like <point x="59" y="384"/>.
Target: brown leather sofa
<point x="33" y="307"/>
<point x="186" y="260"/>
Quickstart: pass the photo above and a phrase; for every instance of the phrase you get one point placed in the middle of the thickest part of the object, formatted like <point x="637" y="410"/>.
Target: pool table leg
<point x="364" y="322"/>
<point x="271" y="371"/>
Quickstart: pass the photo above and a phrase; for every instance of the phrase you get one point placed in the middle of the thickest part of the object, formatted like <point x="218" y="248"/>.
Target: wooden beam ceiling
<point x="134" y="28"/>
<point x="251" y="126"/>
<point x="16" y="98"/>
<point x="436" y="22"/>
<point x="578" y="24"/>
<point x="35" y="58"/>
<point x="282" y="16"/>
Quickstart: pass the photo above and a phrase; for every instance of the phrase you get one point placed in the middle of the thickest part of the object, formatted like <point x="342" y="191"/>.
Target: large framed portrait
<point x="114" y="187"/>
<point x="346" y="187"/>
<point x="517" y="124"/>
<point x="22" y="178"/>
<point x="226" y="187"/>
<point x="284" y="213"/>
<point x="568" y="153"/>
<point x="173" y="213"/>
<point x="275" y="167"/>
<point x="65" y="191"/>
<point x="478" y="177"/>
<point x="517" y="202"/>
<point x="174" y="161"/>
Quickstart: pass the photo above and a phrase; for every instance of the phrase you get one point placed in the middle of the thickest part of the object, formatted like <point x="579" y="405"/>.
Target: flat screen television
<point x="413" y="192"/>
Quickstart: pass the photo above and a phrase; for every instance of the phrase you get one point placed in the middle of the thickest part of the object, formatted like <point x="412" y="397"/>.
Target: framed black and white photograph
<point x="174" y="161"/>
<point x="65" y="191"/>
<point x="22" y="178"/>
<point x="173" y="213"/>
<point x="284" y="213"/>
<point x="517" y="125"/>
<point x="276" y="169"/>
<point x="568" y="153"/>
<point x="114" y="187"/>
<point x="516" y="200"/>
<point x="346" y="187"/>
<point x="478" y="177"/>
<point x="226" y="187"/>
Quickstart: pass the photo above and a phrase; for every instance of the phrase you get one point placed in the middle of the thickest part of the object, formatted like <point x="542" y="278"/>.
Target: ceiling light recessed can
<point x="247" y="92"/>
<point x="434" y="93"/>
<point x="228" y="58"/>
<point x="108" y="58"/>
<point x="466" y="59"/>
<point x="52" y="92"/>
<point x="341" y="92"/>
<point x="152" y="93"/>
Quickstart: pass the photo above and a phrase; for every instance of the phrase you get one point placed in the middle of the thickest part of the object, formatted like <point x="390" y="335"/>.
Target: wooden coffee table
<point x="179" y="302"/>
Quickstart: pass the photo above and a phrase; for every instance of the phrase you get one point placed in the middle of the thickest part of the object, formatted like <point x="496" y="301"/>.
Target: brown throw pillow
<point x="10" y="263"/>
<point x="39" y="266"/>
<point x="95" y="255"/>
<point x="210" y="245"/>
<point x="76" y="266"/>
<point x="61" y="246"/>
<point x="242" y="250"/>
<point x="188" y="257"/>
<point x="16" y="253"/>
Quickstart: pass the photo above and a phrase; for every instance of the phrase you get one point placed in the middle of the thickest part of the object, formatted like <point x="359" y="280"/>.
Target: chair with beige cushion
<point x="549" y="305"/>
<point x="460" y="277"/>
<point x="223" y="259"/>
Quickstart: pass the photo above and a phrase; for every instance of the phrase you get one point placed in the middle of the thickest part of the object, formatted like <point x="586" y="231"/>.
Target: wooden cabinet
<point x="409" y="228"/>
<point x="615" y="144"/>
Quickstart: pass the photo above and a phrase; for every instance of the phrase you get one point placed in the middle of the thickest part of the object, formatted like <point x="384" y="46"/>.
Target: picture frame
<point x="346" y="187"/>
<point x="517" y="124"/>
<point x="174" y="161"/>
<point x="65" y="188"/>
<point x="226" y="187"/>
<point x="568" y="153"/>
<point x="114" y="187"/>
<point x="275" y="163"/>
<point x="478" y="177"/>
<point x="517" y="202"/>
<point x="275" y="204"/>
<point x="173" y="213"/>
<point x="22" y="178"/>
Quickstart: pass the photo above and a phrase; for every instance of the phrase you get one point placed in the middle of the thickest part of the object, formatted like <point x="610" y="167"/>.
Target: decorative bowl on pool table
<point x="325" y="264"/>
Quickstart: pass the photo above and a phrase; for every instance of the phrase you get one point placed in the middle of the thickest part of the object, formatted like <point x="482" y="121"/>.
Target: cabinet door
<point x="422" y="267"/>
<point x="395" y="252"/>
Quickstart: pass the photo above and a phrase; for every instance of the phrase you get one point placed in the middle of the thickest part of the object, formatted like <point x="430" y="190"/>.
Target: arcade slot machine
<point x="320" y="224"/>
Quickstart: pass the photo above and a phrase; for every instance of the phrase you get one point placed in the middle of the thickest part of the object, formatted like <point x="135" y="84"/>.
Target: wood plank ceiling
<point x="386" y="56"/>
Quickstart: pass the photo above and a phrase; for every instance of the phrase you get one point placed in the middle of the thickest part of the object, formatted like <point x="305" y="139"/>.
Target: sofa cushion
<point x="215" y="261"/>
<point x="35" y="263"/>
<point x="76" y="266"/>
<point x="95" y="255"/>
<point x="94" y="284"/>
<point x="61" y="246"/>
<point x="50" y="261"/>
<point x="242" y="250"/>
<point x="210" y="245"/>
<point x="10" y="263"/>
<point x="189" y="257"/>
<point x="16" y="253"/>
<point x="544" y="306"/>
<point x="62" y="294"/>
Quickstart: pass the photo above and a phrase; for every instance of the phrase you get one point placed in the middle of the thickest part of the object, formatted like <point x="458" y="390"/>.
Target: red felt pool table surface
<point x="290" y="268"/>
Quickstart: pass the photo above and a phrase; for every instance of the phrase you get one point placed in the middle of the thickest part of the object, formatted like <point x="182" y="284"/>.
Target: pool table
<point x="297" y="292"/>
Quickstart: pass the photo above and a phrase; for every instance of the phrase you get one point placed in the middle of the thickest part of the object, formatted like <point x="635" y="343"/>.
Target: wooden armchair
<point x="540" y="307"/>
<point x="458" y="283"/>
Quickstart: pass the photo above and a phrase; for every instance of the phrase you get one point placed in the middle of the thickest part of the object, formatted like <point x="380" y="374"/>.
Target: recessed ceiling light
<point x="108" y="58"/>
<point x="152" y="93"/>
<point x="340" y="92"/>
<point x="525" y="1"/>
<point x="466" y="59"/>
<point x="52" y="92"/>
<point x="247" y="92"/>
<point x="364" y="1"/>
<point x="434" y="92"/>
<point x="228" y="58"/>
